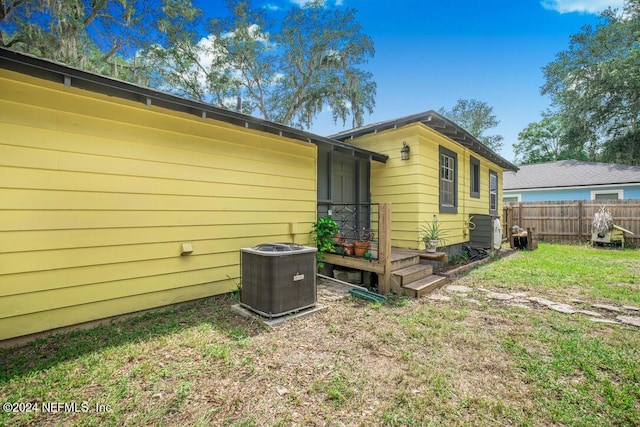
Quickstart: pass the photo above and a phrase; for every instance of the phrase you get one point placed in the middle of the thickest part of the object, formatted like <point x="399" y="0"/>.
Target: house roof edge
<point x="65" y="74"/>
<point x="438" y="123"/>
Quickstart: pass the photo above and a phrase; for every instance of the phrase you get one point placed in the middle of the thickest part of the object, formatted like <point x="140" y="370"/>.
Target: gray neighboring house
<point x="571" y="180"/>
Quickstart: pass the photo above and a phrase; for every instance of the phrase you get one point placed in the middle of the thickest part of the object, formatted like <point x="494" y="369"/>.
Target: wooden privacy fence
<point x="570" y="220"/>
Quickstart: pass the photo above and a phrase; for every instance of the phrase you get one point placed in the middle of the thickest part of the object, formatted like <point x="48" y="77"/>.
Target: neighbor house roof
<point x="570" y="173"/>
<point x="436" y="122"/>
<point x="54" y="71"/>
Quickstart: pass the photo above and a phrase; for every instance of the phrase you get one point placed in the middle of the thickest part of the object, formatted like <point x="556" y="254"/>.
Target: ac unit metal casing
<point x="278" y="278"/>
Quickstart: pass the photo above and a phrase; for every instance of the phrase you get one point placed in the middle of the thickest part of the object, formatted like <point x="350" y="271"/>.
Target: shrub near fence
<point x="570" y="220"/>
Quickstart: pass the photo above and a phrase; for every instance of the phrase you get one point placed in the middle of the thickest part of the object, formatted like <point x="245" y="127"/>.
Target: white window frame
<point x="620" y="193"/>
<point x="493" y="195"/>
<point x="517" y="196"/>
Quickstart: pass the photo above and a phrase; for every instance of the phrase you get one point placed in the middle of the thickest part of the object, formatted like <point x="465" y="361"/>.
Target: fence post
<point x="520" y="221"/>
<point x="580" y="220"/>
<point x="508" y="221"/>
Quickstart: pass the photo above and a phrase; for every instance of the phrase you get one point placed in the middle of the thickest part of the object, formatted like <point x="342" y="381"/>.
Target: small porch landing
<point x="402" y="272"/>
<point x="398" y="269"/>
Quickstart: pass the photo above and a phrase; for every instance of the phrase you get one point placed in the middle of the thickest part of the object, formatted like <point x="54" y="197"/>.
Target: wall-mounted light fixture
<point x="405" y="150"/>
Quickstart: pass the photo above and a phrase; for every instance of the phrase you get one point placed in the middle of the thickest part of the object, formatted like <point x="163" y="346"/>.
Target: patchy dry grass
<point x="422" y="362"/>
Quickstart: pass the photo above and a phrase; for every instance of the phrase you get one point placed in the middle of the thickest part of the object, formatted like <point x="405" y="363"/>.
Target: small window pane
<point x="607" y="196"/>
<point x="448" y="176"/>
<point x="493" y="191"/>
<point x="447" y="196"/>
<point x="475" y="177"/>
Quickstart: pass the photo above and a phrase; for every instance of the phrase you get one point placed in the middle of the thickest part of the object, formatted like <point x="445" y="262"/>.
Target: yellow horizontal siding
<point x="293" y="188"/>
<point x="413" y="185"/>
<point x="133" y="123"/>
<point x="45" y="320"/>
<point x="42" y="240"/>
<point x="35" y="281"/>
<point x="35" y="200"/>
<point x="14" y="305"/>
<point x="67" y="258"/>
<point x="97" y="194"/>
<point x="15" y="220"/>
<point x="38" y="152"/>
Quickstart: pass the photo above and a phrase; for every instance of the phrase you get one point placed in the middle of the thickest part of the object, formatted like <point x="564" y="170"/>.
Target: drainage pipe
<point x="342" y="282"/>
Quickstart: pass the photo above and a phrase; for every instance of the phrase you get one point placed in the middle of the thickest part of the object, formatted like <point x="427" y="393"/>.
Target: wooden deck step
<point x="424" y="286"/>
<point x="411" y="274"/>
<point x="402" y="260"/>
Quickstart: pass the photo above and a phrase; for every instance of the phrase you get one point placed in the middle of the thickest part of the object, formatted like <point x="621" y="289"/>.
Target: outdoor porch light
<point x="404" y="152"/>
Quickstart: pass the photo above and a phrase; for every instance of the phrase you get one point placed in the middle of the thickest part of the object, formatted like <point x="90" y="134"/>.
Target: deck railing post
<point x="384" y="247"/>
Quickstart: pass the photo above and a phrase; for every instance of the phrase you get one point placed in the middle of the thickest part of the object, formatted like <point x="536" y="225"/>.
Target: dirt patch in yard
<point x="463" y="357"/>
<point x="353" y="364"/>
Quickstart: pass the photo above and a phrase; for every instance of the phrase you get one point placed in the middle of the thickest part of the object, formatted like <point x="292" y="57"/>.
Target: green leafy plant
<point x="324" y="231"/>
<point x="432" y="231"/>
<point x="459" y="259"/>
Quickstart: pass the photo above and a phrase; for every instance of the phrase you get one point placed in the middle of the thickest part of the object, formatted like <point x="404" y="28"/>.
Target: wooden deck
<point x="390" y="259"/>
<point x="375" y="266"/>
<point x="398" y="260"/>
<point x="431" y="256"/>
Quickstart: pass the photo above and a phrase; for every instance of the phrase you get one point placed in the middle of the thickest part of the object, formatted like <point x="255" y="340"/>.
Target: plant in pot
<point x="324" y="231"/>
<point x="338" y="243"/>
<point x="361" y="246"/>
<point x="432" y="235"/>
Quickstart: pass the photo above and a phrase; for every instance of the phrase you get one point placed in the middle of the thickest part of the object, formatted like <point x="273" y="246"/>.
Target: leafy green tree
<point x="97" y="35"/>
<point x="595" y="87"/>
<point x="476" y="117"/>
<point x="284" y="71"/>
<point x="542" y="142"/>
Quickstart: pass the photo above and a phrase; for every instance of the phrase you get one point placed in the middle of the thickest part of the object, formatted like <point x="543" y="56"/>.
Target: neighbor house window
<point x="475" y="177"/>
<point x="512" y="199"/>
<point x="607" y="195"/>
<point x="448" y="181"/>
<point x="493" y="192"/>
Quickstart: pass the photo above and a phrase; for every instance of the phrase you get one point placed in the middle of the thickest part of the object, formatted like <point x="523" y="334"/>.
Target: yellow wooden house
<point x="116" y="198"/>
<point x="436" y="171"/>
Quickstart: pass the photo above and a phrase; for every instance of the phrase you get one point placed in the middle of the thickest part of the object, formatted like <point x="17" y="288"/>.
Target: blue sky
<point x="430" y="53"/>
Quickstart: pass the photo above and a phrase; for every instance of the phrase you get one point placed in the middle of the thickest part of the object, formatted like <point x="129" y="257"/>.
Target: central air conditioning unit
<point x="278" y="278"/>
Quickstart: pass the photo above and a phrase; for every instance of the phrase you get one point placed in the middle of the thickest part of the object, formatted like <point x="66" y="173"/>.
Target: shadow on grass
<point x="49" y="351"/>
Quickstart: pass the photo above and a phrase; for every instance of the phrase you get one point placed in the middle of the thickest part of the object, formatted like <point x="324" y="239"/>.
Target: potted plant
<point x="432" y="235"/>
<point x="338" y="243"/>
<point x="324" y="231"/>
<point x="361" y="246"/>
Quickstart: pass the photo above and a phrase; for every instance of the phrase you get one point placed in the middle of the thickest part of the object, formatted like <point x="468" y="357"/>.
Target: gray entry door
<point x="344" y="180"/>
<point x="343" y="190"/>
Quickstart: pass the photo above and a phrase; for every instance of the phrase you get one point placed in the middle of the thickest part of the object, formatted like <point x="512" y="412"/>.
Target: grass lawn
<point x="463" y="360"/>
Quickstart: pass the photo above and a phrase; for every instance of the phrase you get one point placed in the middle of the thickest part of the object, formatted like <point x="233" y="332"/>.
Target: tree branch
<point x="96" y="7"/>
<point x="113" y="51"/>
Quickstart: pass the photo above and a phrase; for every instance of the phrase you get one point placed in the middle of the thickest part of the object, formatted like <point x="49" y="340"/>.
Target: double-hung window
<point x="448" y="181"/>
<point x="475" y="177"/>
<point x="493" y="192"/>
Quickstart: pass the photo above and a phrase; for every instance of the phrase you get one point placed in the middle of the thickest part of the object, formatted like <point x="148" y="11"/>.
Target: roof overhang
<point x="74" y="77"/>
<point x="438" y="123"/>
